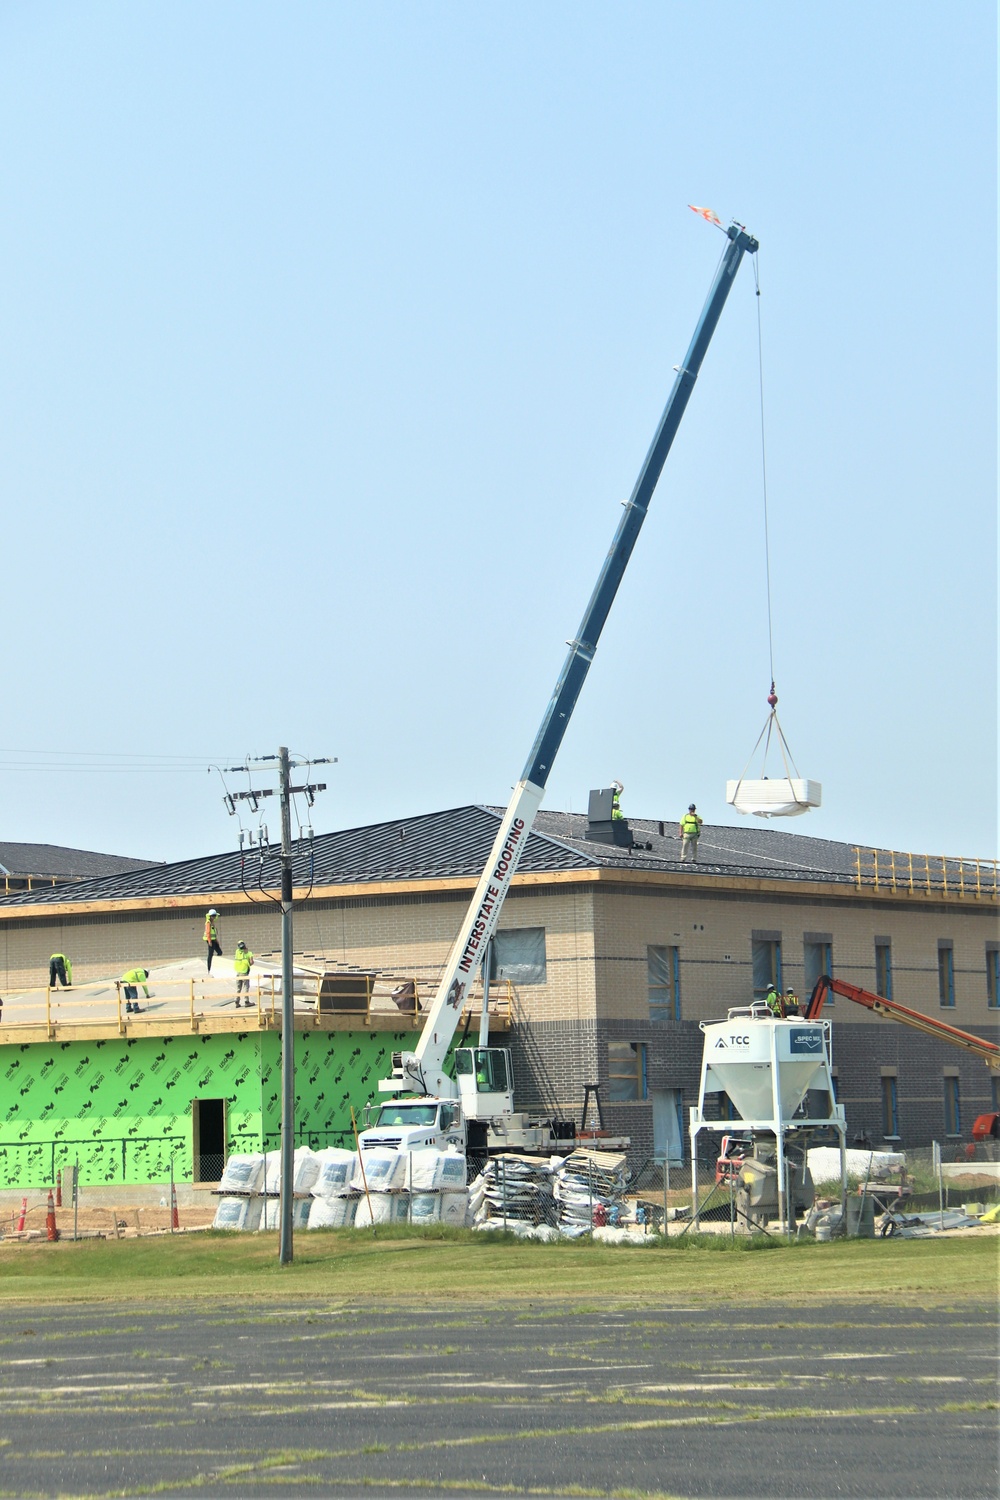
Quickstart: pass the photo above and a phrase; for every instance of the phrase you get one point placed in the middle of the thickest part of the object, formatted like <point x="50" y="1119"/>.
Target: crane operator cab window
<point x="488" y="1064"/>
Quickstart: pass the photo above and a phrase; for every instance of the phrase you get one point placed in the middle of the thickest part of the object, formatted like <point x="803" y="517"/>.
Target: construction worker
<point x="61" y="970"/>
<point x="792" y="1007"/>
<point x="212" y="943"/>
<point x="616" y="807"/>
<point x="690" y="833"/>
<point x="242" y="963"/>
<point x="131" y="981"/>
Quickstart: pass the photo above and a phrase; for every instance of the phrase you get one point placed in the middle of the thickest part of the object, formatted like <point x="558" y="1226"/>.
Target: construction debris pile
<point x="542" y="1197"/>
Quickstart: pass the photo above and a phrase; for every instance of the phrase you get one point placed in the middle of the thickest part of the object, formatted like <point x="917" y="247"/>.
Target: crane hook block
<point x="772" y="697"/>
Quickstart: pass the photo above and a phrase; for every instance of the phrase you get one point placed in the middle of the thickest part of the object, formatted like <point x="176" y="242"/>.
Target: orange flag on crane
<point x="707" y="213"/>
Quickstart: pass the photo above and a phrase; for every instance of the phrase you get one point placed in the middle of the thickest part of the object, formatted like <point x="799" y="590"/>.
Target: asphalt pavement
<point x="547" y="1400"/>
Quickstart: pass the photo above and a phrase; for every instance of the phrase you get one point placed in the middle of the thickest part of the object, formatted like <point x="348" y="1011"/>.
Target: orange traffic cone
<point x="24" y="1215"/>
<point x="175" y="1218"/>
<point x="59" y="1189"/>
<point x="51" y="1232"/>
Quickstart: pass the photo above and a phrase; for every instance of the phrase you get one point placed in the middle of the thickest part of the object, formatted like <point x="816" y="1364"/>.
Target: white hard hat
<point x="212" y="912"/>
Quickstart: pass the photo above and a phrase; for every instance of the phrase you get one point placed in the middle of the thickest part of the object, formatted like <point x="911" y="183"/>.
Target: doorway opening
<point x="208" y="1139"/>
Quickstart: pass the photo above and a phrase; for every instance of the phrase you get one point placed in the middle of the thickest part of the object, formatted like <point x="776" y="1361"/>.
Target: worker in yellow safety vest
<point x="690" y="833"/>
<point x="773" y="1001"/>
<point x="212" y="936"/>
<point x="60" y="969"/>
<point x="242" y="963"/>
<point x="616" y="806"/>
<point x="792" y="1007"/>
<point x="131" y="981"/>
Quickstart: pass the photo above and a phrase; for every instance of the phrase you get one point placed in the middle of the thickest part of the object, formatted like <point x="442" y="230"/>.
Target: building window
<point x="890" y="1113"/>
<point x="993" y="976"/>
<point x="994" y="1093"/>
<point x="663" y="979"/>
<point x="952" y="1110"/>
<point x="946" y="975"/>
<point x="818" y="960"/>
<point x="766" y="965"/>
<point x="519" y="955"/>
<point x="626" y="1071"/>
<point x="883" y="968"/>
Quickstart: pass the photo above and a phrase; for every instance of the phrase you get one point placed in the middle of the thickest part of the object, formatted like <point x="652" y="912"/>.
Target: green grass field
<point x="406" y="1266"/>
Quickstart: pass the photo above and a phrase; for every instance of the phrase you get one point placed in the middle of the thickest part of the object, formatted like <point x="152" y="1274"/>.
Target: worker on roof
<point x="792" y="1007"/>
<point x="773" y="1001"/>
<point x="61" y="970"/>
<point x="131" y="981"/>
<point x="690" y="833"/>
<point x="616" y="806"/>
<point x="242" y="963"/>
<point x="212" y="936"/>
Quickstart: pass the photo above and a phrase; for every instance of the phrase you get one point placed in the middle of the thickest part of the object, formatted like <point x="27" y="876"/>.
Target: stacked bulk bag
<point x="517" y="1193"/>
<point x="332" y="1213"/>
<point x="242" y="1174"/>
<point x="237" y="1213"/>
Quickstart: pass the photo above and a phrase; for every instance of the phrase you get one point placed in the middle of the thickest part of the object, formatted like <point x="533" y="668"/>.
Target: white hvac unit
<point x="774" y="796"/>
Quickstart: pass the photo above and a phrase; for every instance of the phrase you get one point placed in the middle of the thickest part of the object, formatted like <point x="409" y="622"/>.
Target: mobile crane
<point x="988" y="1052"/>
<point x="483" y="1075"/>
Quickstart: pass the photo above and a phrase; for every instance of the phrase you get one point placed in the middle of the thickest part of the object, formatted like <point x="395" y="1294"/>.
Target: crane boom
<point x="988" y="1052"/>
<point x="422" y="1069"/>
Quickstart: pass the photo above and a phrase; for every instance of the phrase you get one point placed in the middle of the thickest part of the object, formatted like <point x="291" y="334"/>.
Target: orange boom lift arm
<point x="987" y="1051"/>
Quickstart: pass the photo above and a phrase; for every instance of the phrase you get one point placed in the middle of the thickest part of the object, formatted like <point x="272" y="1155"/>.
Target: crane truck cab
<point x="412" y="1124"/>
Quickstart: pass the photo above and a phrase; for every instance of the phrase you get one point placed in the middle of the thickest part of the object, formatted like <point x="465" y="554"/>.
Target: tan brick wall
<point x="713" y="931"/>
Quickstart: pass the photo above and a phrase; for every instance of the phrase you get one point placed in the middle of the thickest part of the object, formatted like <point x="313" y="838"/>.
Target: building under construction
<point x="608" y="956"/>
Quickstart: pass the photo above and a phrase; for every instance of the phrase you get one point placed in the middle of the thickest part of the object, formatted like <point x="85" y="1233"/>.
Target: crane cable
<point x="773" y="723"/>
<point x="763" y="473"/>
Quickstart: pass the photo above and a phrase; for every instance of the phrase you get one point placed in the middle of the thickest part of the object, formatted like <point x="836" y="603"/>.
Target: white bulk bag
<point x="428" y="1168"/>
<point x="386" y="1208"/>
<point x="242" y="1174"/>
<point x="271" y="1217"/>
<point x="237" y="1213"/>
<point x="425" y="1208"/>
<point x="332" y="1213"/>
<point x="455" y="1208"/>
<point x="383" y="1170"/>
<point x="336" y="1172"/>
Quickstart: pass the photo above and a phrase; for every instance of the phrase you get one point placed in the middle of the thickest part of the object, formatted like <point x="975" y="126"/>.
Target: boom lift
<point x="483" y="1081"/>
<point x="988" y="1052"/>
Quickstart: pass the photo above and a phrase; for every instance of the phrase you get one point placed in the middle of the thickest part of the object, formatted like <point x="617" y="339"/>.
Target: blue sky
<point x="333" y="337"/>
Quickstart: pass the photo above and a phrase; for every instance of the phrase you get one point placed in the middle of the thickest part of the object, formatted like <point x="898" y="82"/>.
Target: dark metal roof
<point x="442" y="845"/>
<point x="52" y="860"/>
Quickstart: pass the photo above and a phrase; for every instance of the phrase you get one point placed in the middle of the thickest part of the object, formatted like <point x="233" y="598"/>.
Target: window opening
<point x="817" y="961"/>
<point x="952" y="1107"/>
<point x="766" y="965"/>
<point x="946" y="975"/>
<point x="993" y="976"/>
<point x="626" y="1071"/>
<point x="519" y="955"/>
<point x="883" y="968"/>
<point x="890" y="1111"/>
<point x="663" y="971"/>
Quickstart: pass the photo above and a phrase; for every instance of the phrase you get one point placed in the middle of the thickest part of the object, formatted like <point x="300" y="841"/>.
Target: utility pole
<point x="285" y="793"/>
<point x="287" y="1014"/>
